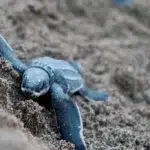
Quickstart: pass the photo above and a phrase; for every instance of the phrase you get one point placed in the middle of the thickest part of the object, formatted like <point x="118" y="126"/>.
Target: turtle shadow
<point x="45" y="101"/>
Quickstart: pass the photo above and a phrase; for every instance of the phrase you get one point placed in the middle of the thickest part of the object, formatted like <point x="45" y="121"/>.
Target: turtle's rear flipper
<point x="90" y="94"/>
<point x="7" y="52"/>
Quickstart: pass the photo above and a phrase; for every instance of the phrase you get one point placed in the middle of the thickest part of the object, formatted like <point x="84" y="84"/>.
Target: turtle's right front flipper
<point x="7" y="52"/>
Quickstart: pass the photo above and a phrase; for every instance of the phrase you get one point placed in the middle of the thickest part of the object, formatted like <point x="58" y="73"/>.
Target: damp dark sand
<point x="112" y="44"/>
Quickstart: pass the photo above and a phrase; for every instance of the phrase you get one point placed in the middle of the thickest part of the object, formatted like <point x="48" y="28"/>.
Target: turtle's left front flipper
<point x="68" y="117"/>
<point x="7" y="52"/>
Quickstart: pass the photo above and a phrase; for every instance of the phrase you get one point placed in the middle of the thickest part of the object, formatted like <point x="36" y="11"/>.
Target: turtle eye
<point x="41" y="85"/>
<point x="38" y="87"/>
<point x="24" y="83"/>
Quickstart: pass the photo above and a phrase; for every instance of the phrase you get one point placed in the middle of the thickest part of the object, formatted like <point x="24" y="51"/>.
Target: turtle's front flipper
<point x="7" y="52"/>
<point x="68" y="116"/>
<point x="93" y="95"/>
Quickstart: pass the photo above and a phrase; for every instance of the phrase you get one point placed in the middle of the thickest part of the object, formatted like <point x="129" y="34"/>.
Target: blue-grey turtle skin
<point x="61" y="79"/>
<point x="7" y="52"/>
<point x="122" y="3"/>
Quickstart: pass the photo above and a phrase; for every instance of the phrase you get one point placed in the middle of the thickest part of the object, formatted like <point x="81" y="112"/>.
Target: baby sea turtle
<point x="61" y="79"/>
<point x="123" y="3"/>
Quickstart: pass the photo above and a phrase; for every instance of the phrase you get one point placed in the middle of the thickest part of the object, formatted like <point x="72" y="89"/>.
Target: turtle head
<point x="35" y="82"/>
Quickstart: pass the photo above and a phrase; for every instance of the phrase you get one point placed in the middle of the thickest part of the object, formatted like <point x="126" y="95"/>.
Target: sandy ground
<point x="113" y="46"/>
